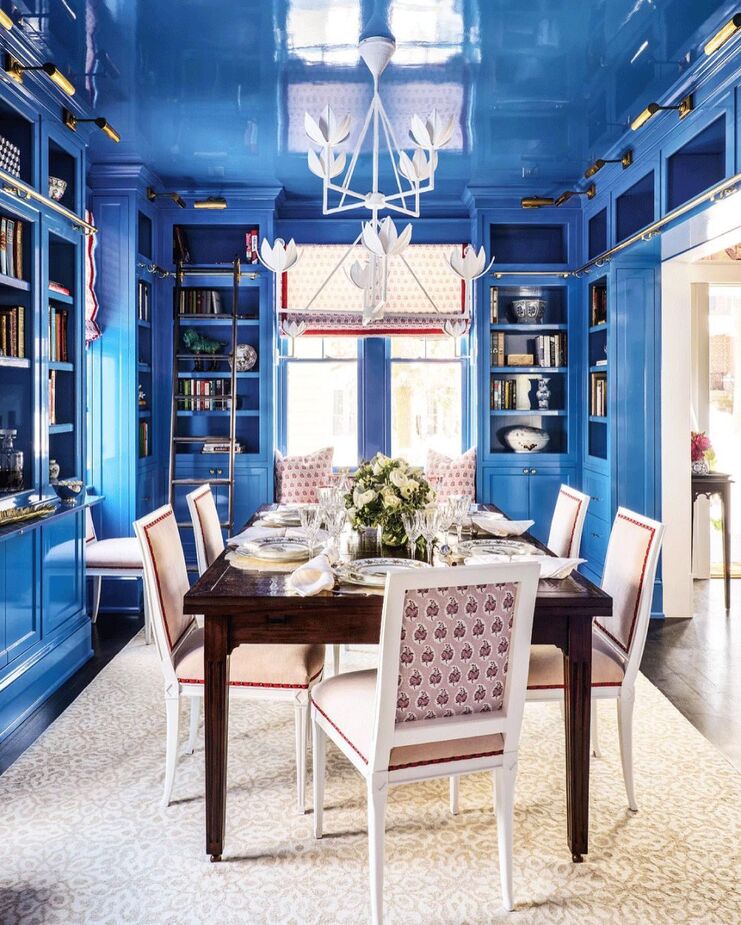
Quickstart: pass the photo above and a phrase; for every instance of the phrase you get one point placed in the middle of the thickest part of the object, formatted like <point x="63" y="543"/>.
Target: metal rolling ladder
<point x="176" y="440"/>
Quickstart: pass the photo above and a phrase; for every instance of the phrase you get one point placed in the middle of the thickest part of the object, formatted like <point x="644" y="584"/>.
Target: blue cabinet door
<point x="22" y="627"/>
<point x="62" y="570"/>
<point x="508" y="489"/>
<point x="250" y="491"/>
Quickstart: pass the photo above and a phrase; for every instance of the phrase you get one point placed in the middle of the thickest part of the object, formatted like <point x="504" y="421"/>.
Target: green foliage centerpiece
<point x="384" y="489"/>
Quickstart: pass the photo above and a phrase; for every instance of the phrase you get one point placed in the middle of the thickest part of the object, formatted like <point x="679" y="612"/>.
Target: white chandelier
<point x="414" y="174"/>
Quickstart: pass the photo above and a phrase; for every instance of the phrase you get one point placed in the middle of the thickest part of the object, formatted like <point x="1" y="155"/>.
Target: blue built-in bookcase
<point x="44" y="628"/>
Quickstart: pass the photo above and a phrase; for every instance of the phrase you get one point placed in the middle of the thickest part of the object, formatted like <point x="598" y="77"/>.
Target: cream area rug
<point x="84" y="839"/>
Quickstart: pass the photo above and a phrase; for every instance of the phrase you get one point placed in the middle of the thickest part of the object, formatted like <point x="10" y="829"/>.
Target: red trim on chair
<point x="579" y="502"/>
<point x="339" y="731"/>
<point x="266" y="684"/>
<point x="147" y="528"/>
<point x="421" y="764"/>
<point x="652" y="531"/>
<point x="206" y="490"/>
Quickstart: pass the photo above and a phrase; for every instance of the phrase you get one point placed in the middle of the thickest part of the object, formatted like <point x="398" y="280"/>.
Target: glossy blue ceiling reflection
<point x="213" y="95"/>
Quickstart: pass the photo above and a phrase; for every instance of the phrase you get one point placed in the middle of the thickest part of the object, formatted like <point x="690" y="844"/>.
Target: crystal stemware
<point x="461" y="507"/>
<point x="429" y="520"/>
<point x="311" y="521"/>
<point x="413" y="531"/>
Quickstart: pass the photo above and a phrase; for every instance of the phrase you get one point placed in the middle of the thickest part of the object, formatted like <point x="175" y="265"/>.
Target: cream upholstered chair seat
<point x="546" y="666"/>
<point x="254" y="665"/>
<point x="121" y="552"/>
<point x="347" y="702"/>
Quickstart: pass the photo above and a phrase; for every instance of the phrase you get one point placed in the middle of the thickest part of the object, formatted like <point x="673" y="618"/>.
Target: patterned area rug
<point x="85" y="839"/>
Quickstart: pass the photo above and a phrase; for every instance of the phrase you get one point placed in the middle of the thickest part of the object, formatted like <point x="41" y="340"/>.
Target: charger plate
<point x="494" y="547"/>
<point x="276" y="549"/>
<point x="371" y="573"/>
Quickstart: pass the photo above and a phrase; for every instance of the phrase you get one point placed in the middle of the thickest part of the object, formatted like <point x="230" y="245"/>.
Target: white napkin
<point x="254" y="533"/>
<point x="499" y="526"/>
<point x="312" y="577"/>
<point x="550" y="566"/>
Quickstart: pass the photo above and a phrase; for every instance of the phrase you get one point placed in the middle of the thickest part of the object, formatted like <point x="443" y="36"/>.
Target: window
<point x="426" y="397"/>
<point x="321" y="397"/>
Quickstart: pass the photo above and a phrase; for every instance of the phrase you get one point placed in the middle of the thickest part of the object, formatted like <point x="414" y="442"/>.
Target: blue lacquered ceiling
<point x="212" y="94"/>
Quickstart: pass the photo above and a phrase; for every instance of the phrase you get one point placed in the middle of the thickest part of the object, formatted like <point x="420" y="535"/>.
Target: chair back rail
<point x="567" y="524"/>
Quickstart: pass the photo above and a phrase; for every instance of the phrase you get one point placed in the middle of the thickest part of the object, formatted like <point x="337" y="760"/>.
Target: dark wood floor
<point x="696" y="663"/>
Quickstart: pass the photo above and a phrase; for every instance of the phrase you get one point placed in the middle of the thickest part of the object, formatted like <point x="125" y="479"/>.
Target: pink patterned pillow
<point x="297" y="478"/>
<point x="452" y="476"/>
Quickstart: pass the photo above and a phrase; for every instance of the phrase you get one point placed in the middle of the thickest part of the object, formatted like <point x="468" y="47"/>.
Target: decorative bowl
<point x="57" y="188"/>
<point x="246" y="357"/>
<point x="525" y="439"/>
<point x="528" y="311"/>
<point x="69" y="490"/>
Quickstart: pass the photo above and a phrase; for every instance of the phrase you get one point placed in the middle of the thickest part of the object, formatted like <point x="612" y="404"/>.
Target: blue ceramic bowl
<point x="69" y="490"/>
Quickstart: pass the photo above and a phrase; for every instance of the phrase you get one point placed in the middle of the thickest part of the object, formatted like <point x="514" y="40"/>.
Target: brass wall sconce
<point x="212" y="202"/>
<point x="176" y="197"/>
<point x="5" y="21"/>
<point x="72" y="121"/>
<point x="626" y="159"/>
<point x="684" y="107"/>
<point x="722" y="35"/>
<point x="15" y="70"/>
<point x="590" y="192"/>
<point x="536" y="202"/>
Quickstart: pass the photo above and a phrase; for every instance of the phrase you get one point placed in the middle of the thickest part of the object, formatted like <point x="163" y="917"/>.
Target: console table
<point x="718" y="483"/>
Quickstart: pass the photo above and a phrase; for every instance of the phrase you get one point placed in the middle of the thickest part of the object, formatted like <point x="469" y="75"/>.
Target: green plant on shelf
<point x="199" y="345"/>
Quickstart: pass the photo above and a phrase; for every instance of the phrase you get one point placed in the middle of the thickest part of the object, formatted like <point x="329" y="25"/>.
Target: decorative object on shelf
<point x="245" y="356"/>
<point x="10" y="157"/>
<point x="528" y="311"/>
<point x="520" y="359"/>
<point x="11" y="462"/>
<point x="54" y="470"/>
<point x="199" y="344"/>
<point x="69" y="490"/>
<point x="702" y="452"/>
<point x="14" y="515"/>
<point x="383" y="490"/>
<point x="378" y="240"/>
<point x="251" y="245"/>
<point x="543" y="393"/>
<point x="142" y="397"/>
<point x="57" y="188"/>
<point x="525" y="439"/>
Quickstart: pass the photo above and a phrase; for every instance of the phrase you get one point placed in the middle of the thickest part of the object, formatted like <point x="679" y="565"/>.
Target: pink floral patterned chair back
<point x="165" y="576"/>
<point x="454" y="653"/>
<point x="630" y="569"/>
<point x="298" y="478"/>
<point x="455" y="646"/>
<point x="206" y="526"/>
<point x="567" y="523"/>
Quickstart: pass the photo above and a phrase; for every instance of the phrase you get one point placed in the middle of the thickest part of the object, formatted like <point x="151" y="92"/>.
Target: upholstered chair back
<point x="629" y="574"/>
<point x="90" y="535"/>
<point x="165" y="577"/>
<point x="206" y="526"/>
<point x="454" y="655"/>
<point x="567" y="524"/>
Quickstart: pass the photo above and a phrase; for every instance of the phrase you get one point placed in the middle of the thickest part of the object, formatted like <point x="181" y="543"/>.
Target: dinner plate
<point x="276" y="549"/>
<point x="494" y="547"/>
<point x="373" y="572"/>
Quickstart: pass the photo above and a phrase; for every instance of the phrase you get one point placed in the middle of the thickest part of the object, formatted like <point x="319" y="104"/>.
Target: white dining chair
<point x="617" y="641"/>
<point x="118" y="557"/>
<point x="259" y="672"/>
<point x="210" y="540"/>
<point x="448" y="696"/>
<point x="567" y="523"/>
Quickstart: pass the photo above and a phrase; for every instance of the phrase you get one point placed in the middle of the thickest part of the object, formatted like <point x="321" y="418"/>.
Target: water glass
<point x="413" y="531"/>
<point x="446" y="515"/>
<point x="461" y="508"/>
<point x="311" y="521"/>
<point x="429" y="520"/>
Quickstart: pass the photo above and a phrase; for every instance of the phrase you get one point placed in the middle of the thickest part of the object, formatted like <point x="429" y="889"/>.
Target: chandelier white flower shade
<point x="412" y="173"/>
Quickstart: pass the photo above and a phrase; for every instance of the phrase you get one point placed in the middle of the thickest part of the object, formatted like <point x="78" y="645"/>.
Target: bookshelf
<point x="523" y="358"/>
<point x="597" y="430"/>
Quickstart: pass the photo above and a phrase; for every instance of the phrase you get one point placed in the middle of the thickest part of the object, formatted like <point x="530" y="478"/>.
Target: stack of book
<point x="142" y="300"/>
<point x="200" y="302"/>
<point x="143" y="439"/>
<point x="58" y="348"/>
<point x="58" y="287"/>
<point x="494" y="305"/>
<point x="11" y="248"/>
<point x="12" y="331"/>
<point x="598" y="401"/>
<point x="550" y="350"/>
<point x="10" y="157"/>
<point x="251" y="243"/>
<point x="503" y="394"/>
<point x="498" y="356"/>
<point x="599" y="305"/>
<point x="52" y="396"/>
<point x="204" y="395"/>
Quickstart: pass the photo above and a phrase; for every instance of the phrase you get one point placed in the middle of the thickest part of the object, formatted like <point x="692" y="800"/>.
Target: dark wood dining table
<point x="241" y="606"/>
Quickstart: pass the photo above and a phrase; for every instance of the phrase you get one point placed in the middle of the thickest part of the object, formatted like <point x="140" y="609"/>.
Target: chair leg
<point x="301" y="713"/>
<point x="336" y="658"/>
<point x="625" y="730"/>
<point x="172" y="706"/>
<point x="454" y="791"/>
<point x="504" y="797"/>
<point x="147" y="623"/>
<point x="97" y="584"/>
<point x="595" y="736"/>
<point x="377" y="797"/>
<point x="318" y="768"/>
<point x="195" y="719"/>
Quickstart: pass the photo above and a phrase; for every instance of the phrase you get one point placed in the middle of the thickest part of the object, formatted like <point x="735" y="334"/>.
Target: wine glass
<point x="413" y="531"/>
<point x="429" y="521"/>
<point x="334" y="519"/>
<point x="311" y="520"/>
<point x="446" y="515"/>
<point x="461" y="507"/>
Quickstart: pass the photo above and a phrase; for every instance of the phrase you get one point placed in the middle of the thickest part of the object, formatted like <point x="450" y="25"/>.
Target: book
<point x="497" y="348"/>
<point x="251" y="245"/>
<point x="493" y="305"/>
<point x="52" y="398"/>
<point x="58" y="287"/>
<point x="12" y="331"/>
<point x="598" y="397"/>
<point x="142" y="300"/>
<point x="143" y="439"/>
<point x="599" y="305"/>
